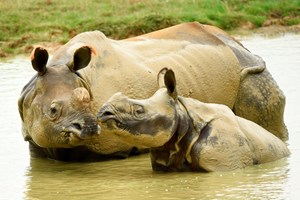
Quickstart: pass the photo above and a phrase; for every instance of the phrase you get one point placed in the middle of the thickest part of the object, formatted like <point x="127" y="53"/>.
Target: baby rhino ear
<point x="161" y="77"/>
<point x="166" y="78"/>
<point x="170" y="83"/>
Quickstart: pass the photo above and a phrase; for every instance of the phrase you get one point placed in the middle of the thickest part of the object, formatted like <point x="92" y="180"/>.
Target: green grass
<point x="24" y="23"/>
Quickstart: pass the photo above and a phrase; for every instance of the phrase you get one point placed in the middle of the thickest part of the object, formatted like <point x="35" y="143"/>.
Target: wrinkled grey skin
<point x="185" y="134"/>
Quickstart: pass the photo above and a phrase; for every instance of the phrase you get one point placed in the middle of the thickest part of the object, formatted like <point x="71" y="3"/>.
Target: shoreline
<point x="271" y="31"/>
<point x="266" y="31"/>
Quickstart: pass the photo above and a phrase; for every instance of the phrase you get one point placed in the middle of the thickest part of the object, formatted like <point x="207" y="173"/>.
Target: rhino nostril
<point x="107" y="114"/>
<point x="77" y="126"/>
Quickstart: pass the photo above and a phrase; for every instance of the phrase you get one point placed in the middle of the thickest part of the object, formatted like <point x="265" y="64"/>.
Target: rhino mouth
<point x="71" y="132"/>
<point x="71" y="139"/>
<point x="79" y="132"/>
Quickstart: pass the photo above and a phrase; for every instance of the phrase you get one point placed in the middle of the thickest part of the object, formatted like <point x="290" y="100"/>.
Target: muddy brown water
<point x="22" y="177"/>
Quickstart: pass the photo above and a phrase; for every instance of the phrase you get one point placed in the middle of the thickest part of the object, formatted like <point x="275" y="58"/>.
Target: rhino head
<point x="55" y="106"/>
<point x="143" y="123"/>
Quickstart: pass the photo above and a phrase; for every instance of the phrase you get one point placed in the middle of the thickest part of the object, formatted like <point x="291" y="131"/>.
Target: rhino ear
<point x="160" y="77"/>
<point x="170" y="83"/>
<point x="39" y="58"/>
<point x="166" y="78"/>
<point x="81" y="58"/>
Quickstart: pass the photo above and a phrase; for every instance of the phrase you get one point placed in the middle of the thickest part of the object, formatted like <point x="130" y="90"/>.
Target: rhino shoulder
<point x="203" y="113"/>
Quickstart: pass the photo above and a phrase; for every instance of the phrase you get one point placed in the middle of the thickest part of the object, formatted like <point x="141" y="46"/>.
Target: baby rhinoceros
<point x="184" y="134"/>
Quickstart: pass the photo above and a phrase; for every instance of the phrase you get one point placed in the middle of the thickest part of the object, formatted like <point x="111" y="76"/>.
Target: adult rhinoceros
<point x="59" y="105"/>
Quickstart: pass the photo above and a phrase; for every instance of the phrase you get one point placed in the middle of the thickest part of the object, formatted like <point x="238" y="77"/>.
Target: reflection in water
<point x="133" y="179"/>
<point x="13" y="150"/>
<point x="22" y="177"/>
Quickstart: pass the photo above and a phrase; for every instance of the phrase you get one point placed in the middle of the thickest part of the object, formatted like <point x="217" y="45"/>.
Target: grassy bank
<point x="24" y="23"/>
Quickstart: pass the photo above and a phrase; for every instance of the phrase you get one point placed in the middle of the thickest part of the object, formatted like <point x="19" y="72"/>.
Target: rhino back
<point x="227" y="141"/>
<point x="207" y="69"/>
<point x="265" y="146"/>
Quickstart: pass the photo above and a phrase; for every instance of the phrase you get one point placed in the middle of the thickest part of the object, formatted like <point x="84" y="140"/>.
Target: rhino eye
<point x="54" y="110"/>
<point x="138" y="110"/>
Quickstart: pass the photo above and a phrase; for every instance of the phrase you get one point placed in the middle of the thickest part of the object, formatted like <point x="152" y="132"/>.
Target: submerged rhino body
<point x="185" y="134"/>
<point x="211" y="67"/>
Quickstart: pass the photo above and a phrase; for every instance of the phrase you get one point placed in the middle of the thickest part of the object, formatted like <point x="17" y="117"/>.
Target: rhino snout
<point x="84" y="128"/>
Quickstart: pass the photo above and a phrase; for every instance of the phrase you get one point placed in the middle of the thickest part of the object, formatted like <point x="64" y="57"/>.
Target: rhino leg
<point x="261" y="100"/>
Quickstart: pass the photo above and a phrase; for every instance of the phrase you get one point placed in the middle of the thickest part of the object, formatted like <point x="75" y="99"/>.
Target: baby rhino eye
<point x="138" y="110"/>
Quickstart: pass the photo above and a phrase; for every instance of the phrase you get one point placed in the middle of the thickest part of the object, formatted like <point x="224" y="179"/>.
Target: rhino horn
<point x="39" y="59"/>
<point x="80" y="98"/>
<point x="81" y="58"/>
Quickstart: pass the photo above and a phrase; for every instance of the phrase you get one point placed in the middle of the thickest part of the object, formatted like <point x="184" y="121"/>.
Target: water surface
<point x="22" y="177"/>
